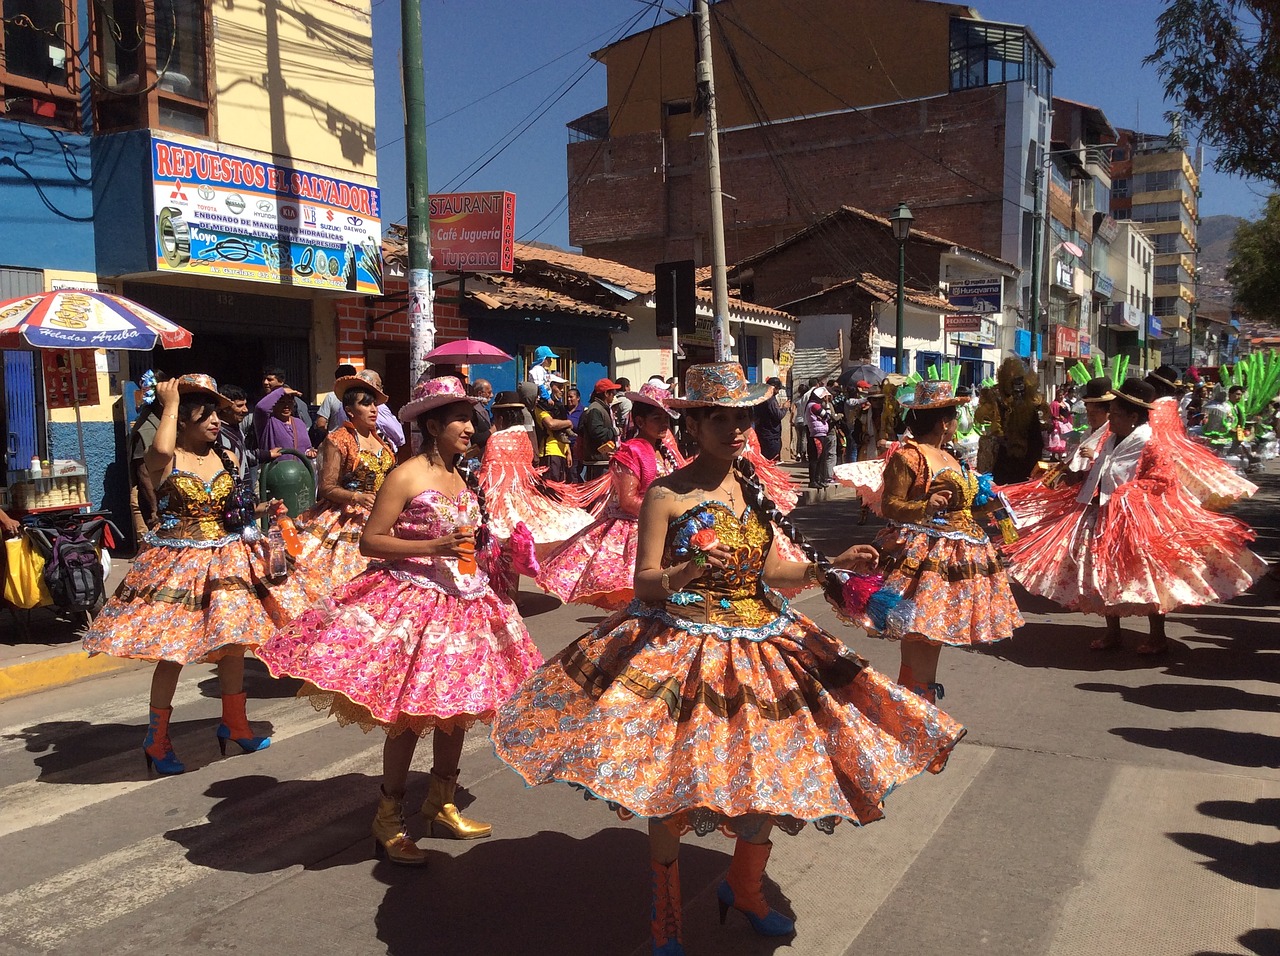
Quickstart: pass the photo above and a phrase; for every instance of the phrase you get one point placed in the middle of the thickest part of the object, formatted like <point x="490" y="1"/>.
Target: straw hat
<point x="433" y="393"/>
<point x="341" y="385"/>
<point x="719" y="384"/>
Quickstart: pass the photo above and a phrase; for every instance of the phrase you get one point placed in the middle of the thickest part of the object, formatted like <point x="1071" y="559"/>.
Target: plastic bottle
<point x="289" y="532"/>
<point x="36" y="470"/>
<point x="277" y="556"/>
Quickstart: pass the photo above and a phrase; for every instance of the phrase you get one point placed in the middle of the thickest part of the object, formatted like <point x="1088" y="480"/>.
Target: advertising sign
<point x="1124" y="316"/>
<point x="1103" y="284"/>
<point x="1086" y="345"/>
<point x="976" y="295"/>
<point x="1061" y="274"/>
<point x="962" y="323"/>
<point x="473" y="232"/>
<point x="220" y="214"/>
<point x="57" y="377"/>
<point x="1066" y="341"/>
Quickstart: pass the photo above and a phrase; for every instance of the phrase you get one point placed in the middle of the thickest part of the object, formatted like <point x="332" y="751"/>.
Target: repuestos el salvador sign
<point x="238" y="217"/>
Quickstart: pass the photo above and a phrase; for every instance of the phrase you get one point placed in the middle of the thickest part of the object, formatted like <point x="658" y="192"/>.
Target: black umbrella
<point x="861" y="373"/>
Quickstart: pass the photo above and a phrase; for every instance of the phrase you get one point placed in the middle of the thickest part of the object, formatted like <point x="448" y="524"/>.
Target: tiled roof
<point x="883" y="291"/>
<point x="917" y="235"/>
<point x="513" y="293"/>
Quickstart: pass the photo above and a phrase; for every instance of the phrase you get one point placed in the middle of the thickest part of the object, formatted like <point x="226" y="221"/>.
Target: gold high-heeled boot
<point x="391" y="842"/>
<point x="439" y="809"/>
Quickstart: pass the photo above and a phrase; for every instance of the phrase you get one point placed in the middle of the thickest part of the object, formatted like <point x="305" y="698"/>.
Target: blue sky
<point x="474" y="48"/>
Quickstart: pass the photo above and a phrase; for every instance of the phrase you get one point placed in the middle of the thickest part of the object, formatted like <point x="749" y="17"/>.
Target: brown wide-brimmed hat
<point x="1135" y="392"/>
<point x="342" y="385"/>
<point x="197" y="383"/>
<point x="1097" y="390"/>
<point x="934" y="393"/>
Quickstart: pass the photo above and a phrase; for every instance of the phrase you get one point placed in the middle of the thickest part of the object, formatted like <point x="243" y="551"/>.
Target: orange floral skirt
<point x="706" y="727"/>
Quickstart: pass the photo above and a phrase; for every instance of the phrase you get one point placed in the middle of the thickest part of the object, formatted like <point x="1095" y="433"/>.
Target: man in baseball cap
<point x="597" y="430"/>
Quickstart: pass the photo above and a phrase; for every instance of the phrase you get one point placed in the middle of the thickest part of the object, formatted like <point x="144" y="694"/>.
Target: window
<point x="986" y="54"/>
<point x="1167" y="243"/>
<point x="1120" y="188"/>
<point x="153" y="58"/>
<point x="677" y="107"/>
<point x="1158" y="180"/>
<point x="38" y="63"/>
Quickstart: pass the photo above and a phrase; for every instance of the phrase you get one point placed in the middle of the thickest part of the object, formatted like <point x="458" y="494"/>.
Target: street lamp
<point x="901" y="223"/>
<point x="1146" y="314"/>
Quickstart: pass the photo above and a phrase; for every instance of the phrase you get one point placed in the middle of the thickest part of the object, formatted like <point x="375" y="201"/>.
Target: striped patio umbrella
<point x="81" y="319"/>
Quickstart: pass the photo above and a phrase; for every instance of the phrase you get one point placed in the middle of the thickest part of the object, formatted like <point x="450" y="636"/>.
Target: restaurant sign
<point x="473" y="232"/>
<point x="238" y="217"/>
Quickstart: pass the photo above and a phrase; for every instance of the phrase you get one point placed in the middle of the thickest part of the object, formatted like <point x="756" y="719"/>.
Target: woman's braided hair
<point x="769" y="511"/>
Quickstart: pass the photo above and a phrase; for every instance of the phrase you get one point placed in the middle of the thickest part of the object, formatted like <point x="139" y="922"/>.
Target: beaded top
<point x="433" y="514"/>
<point x="190" y="508"/>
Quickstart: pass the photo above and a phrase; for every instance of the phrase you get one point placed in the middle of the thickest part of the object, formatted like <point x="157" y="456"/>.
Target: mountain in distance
<point x="1215" y="235"/>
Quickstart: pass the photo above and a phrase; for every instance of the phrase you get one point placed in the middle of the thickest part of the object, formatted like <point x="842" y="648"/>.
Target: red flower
<point x="704" y="540"/>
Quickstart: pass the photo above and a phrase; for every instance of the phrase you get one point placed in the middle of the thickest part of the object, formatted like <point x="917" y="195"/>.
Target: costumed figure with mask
<point x="1023" y="421"/>
<point x="201" y="592"/>
<point x="420" y="643"/>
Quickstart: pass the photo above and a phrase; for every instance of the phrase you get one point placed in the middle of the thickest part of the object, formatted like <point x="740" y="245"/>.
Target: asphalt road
<point x="1100" y="804"/>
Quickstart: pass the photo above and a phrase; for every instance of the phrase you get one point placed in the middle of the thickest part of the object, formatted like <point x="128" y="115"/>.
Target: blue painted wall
<point x="590" y="342"/>
<point x="99" y="449"/>
<point x="46" y="194"/>
<point x="122" y="200"/>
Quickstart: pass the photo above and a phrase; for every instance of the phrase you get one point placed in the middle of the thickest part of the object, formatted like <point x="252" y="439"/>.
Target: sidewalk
<point x="40" y="649"/>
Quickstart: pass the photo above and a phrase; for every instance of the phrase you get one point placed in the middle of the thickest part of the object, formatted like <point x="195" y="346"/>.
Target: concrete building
<point x="214" y="161"/>
<point x="862" y="103"/>
<point x="1155" y="182"/>
<point x="1131" y="259"/>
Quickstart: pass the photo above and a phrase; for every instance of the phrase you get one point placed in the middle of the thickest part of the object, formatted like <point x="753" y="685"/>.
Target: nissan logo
<point x="235" y="203"/>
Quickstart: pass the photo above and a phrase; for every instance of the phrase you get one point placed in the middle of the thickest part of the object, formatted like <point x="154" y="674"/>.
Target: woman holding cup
<point x="419" y="642"/>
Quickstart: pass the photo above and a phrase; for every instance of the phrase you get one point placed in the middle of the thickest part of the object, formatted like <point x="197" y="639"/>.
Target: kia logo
<point x="288" y="212"/>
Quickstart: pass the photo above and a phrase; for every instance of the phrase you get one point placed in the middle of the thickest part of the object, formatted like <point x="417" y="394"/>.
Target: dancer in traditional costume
<point x="199" y="593"/>
<point x="355" y="458"/>
<point x="1134" y="543"/>
<point x="516" y="489"/>
<point x="596" y="566"/>
<point x="934" y="551"/>
<point x="709" y="703"/>
<point x="420" y="643"/>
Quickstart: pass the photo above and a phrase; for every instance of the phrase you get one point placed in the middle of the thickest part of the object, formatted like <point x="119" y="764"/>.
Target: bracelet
<point x="813" y="572"/>
<point x="666" y="582"/>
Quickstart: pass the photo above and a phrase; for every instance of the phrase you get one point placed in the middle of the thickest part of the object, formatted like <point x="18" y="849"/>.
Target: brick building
<point x="840" y="102"/>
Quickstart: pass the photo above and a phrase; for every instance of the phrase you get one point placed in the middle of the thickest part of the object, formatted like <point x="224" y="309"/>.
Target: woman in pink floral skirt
<point x="419" y="642"/>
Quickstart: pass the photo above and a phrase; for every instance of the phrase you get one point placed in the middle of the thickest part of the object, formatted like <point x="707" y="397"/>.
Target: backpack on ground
<point x="73" y="573"/>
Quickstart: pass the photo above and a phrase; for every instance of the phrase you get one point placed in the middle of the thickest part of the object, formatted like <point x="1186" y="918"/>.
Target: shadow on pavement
<point x="1186" y="698"/>
<point x="1260" y="942"/>
<point x="78" y="752"/>
<point x="533" y="603"/>
<point x="258" y="683"/>
<point x="554" y="894"/>
<point x="1253" y="864"/>
<point x="1237" y="748"/>
<point x="1066" y="647"/>
<point x="1265" y="811"/>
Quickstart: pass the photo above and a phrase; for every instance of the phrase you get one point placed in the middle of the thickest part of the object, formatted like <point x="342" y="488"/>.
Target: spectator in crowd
<point x="277" y="427"/>
<point x="598" y="432"/>
<point x="388" y="424"/>
<point x="573" y="404"/>
<point x="326" y="417"/>
<point x="554" y="432"/>
<point x="481" y="419"/>
<point x="622" y="406"/>
<point x="540" y="370"/>
<point x="231" y="437"/>
<point x="768" y="420"/>
<point x="818" y="420"/>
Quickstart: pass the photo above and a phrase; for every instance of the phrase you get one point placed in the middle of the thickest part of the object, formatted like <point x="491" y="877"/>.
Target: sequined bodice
<point x="433" y="514"/>
<point x="191" y="508"/>
<point x="370" y="470"/>
<point x="732" y="596"/>
<point x="958" y="518"/>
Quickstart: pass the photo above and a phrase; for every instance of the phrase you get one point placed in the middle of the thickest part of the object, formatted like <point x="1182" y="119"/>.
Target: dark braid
<point x="469" y="468"/>
<point x="667" y="455"/>
<point x="765" y="507"/>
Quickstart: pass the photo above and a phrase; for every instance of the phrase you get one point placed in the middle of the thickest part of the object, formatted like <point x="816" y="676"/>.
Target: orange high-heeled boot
<point x="665" y="917"/>
<point x="235" y="726"/>
<point x="743" y="890"/>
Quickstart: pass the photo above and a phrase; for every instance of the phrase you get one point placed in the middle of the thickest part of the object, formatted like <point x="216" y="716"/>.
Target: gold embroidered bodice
<point x="191" y="508"/>
<point x="370" y="470"/>
<point x="732" y="596"/>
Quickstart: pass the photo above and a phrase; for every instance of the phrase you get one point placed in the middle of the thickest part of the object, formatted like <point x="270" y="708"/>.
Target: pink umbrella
<point x="467" y="352"/>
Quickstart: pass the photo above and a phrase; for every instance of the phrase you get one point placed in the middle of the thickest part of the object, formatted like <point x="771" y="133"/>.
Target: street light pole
<point x="719" y="268"/>
<point x="1146" y="315"/>
<point x="900" y="221"/>
<point x="422" y="323"/>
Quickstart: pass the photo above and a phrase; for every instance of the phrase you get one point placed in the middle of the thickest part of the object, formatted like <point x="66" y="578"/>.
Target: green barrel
<point x="289" y="478"/>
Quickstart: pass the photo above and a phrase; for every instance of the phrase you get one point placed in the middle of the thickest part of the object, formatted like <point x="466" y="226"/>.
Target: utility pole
<point x="1035" y="264"/>
<point x="719" y="269"/>
<point x="422" y="321"/>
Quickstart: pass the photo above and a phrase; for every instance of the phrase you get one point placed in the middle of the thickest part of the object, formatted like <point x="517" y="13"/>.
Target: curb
<point x="45" y="673"/>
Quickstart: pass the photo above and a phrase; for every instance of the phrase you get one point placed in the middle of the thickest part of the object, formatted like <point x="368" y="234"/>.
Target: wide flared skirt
<point x="596" y="566"/>
<point x="1135" y="556"/>
<point x="189" y="604"/>
<point x="405" y="656"/>
<point x="704" y="731"/>
<point x="959" y="590"/>
<point x="330" y="550"/>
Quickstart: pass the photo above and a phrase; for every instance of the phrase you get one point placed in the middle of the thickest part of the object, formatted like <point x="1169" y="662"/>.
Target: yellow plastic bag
<point x="24" y="584"/>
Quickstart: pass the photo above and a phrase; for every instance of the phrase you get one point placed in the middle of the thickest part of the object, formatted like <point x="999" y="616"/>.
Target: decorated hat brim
<point x="941" y="403"/>
<point x="412" y="410"/>
<point x="223" y="403"/>
<point x="651" y="402"/>
<point x="756" y="395"/>
<point x="1128" y="398"/>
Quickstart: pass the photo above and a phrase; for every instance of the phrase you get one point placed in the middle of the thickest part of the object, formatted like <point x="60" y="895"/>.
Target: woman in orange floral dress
<point x="709" y="703"/>
<point x="355" y="458"/>
<point x="200" y="593"/>
<point x="934" y="551"/>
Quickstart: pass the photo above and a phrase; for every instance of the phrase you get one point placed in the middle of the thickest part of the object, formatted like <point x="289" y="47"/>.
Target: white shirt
<point x="1116" y="465"/>
<point x="1083" y="457"/>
